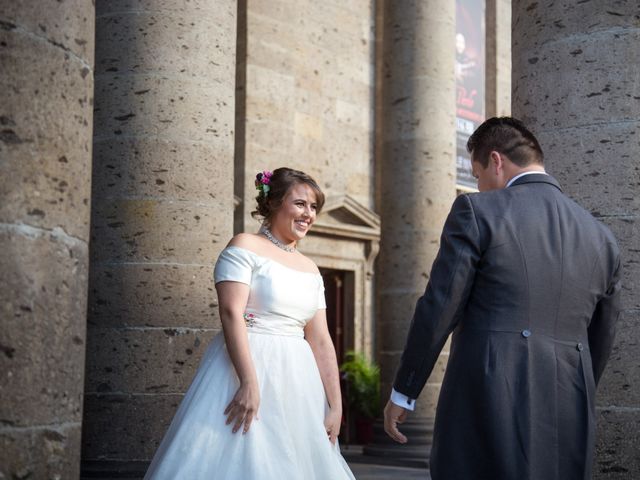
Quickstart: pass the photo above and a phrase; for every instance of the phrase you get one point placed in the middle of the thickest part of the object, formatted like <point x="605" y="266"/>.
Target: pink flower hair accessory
<point x="263" y="179"/>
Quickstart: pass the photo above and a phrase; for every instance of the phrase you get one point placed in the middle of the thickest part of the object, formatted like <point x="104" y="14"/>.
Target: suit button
<point x="580" y="347"/>
<point x="526" y="333"/>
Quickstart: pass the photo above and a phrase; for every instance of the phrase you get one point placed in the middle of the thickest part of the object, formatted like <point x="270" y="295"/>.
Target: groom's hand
<point x="394" y="415"/>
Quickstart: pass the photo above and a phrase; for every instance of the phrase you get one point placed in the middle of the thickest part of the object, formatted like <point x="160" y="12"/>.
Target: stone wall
<point x="575" y="82"/>
<point x="46" y="84"/>
<point x="162" y="211"/>
<point x="308" y="96"/>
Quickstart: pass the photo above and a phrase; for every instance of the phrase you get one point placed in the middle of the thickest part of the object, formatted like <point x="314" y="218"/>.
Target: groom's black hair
<point x="508" y="136"/>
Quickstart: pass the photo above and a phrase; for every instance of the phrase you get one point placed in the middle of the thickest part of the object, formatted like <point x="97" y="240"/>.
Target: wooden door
<point x="334" y="285"/>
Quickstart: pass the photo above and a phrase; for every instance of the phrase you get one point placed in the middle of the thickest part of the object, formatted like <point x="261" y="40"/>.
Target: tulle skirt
<point x="286" y="441"/>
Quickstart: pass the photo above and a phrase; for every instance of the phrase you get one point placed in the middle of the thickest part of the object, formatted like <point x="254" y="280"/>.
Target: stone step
<point x="109" y="470"/>
<point x="415" y="453"/>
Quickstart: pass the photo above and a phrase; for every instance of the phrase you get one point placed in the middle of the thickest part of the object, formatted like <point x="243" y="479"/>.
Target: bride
<point x="265" y="402"/>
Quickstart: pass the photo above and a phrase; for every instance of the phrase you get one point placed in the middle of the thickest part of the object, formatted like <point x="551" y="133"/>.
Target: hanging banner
<point x="470" y="82"/>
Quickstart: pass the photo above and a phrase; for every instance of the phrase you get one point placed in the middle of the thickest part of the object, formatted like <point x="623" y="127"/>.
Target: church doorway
<point x="339" y="294"/>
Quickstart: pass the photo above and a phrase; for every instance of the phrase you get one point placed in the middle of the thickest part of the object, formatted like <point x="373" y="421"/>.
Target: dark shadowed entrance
<point x="338" y="286"/>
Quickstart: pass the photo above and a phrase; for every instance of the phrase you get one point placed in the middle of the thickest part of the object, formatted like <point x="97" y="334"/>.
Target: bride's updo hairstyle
<point x="277" y="185"/>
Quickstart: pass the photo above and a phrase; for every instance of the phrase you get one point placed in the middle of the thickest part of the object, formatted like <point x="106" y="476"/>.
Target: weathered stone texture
<point x="69" y="29"/>
<point x="45" y="132"/>
<point x="597" y="165"/>
<point x="409" y="189"/>
<point x="46" y="80"/>
<point x="535" y="23"/>
<point x="163" y="210"/>
<point x="184" y="109"/>
<point x="619" y="383"/>
<point x="157" y="230"/>
<point x="161" y="168"/>
<point x="617" y="445"/>
<point x="141" y="360"/>
<point x="411" y="271"/>
<point x="48" y="452"/>
<point x="42" y="339"/>
<point x="308" y="94"/>
<point x="187" y="39"/>
<point x="154" y="295"/>
<point x="575" y="83"/>
<point x="627" y="231"/>
<point x="133" y="423"/>
<point x="586" y="80"/>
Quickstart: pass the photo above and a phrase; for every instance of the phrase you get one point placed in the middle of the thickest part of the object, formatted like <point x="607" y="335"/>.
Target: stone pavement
<point x="363" y="471"/>
<point x="361" y="467"/>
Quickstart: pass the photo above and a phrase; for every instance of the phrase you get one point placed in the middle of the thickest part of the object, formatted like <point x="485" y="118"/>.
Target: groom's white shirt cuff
<point x="402" y="400"/>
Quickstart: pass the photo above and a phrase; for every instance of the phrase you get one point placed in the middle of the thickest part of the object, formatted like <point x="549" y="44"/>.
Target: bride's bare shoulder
<point x="308" y="265"/>
<point x="250" y="241"/>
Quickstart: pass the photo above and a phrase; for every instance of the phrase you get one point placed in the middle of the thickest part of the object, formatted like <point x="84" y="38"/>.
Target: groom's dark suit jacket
<point x="529" y="283"/>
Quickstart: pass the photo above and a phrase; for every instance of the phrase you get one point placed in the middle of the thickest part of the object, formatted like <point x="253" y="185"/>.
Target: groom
<point x="529" y="284"/>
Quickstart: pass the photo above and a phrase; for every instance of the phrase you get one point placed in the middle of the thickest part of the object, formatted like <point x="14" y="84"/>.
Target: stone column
<point x="163" y="210"/>
<point x="417" y="180"/>
<point x="46" y="80"/>
<point x="575" y="83"/>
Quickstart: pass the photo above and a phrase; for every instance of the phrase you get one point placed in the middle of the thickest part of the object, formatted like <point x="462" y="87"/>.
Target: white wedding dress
<point x="287" y="441"/>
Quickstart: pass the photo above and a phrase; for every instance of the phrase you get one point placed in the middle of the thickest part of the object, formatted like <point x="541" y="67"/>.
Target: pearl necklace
<point x="267" y="233"/>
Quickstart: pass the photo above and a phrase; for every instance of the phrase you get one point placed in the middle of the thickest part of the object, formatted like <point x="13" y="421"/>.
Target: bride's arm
<point x="232" y="298"/>
<point x="316" y="333"/>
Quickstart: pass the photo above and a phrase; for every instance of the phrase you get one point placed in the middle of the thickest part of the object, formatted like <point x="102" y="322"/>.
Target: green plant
<point x="363" y="390"/>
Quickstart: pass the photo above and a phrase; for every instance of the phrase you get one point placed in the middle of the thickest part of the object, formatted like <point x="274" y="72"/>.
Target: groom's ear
<point x="496" y="162"/>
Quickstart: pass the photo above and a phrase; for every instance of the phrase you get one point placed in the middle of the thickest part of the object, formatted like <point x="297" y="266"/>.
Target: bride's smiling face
<point x="296" y="214"/>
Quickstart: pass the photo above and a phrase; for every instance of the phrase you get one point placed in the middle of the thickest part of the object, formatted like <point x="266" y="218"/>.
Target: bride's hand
<point x="244" y="406"/>
<point x="332" y="422"/>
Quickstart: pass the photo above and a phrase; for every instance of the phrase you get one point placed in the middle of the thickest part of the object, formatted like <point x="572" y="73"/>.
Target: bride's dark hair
<point x="281" y="181"/>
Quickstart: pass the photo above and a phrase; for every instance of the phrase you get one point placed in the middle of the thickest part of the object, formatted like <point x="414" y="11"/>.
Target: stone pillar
<point x="575" y="83"/>
<point x="46" y="80"/>
<point x="163" y="210"/>
<point x="417" y="180"/>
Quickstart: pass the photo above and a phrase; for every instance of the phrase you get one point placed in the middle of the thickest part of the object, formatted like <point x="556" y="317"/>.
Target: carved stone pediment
<point x="343" y="216"/>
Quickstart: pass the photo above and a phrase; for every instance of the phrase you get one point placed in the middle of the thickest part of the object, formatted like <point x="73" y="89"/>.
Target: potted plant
<point x="362" y="393"/>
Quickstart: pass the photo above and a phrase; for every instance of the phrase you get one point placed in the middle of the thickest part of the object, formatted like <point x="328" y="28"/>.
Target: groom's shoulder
<point x="594" y="218"/>
<point x="490" y="206"/>
<point x="481" y="201"/>
<point x="583" y="214"/>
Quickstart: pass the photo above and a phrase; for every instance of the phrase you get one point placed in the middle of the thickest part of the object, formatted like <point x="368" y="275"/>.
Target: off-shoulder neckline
<point x="272" y="260"/>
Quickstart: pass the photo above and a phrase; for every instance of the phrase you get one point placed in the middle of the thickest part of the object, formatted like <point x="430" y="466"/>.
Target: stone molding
<point x="345" y="217"/>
